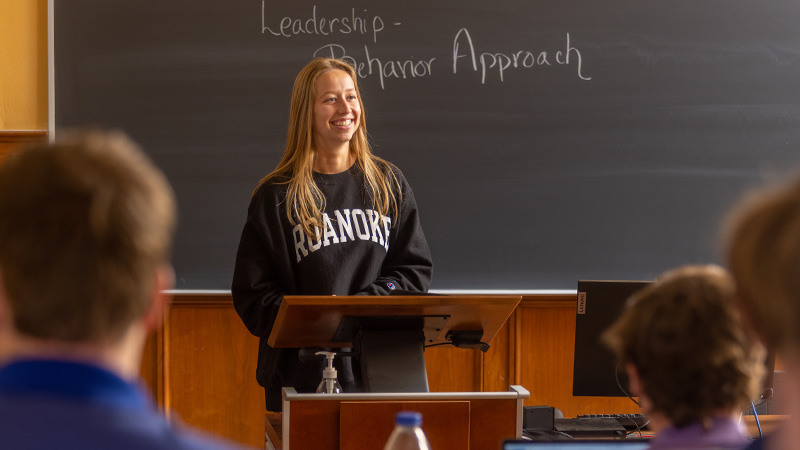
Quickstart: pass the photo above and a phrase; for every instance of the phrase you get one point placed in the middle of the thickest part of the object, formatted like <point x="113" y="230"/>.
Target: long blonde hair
<point x="304" y="200"/>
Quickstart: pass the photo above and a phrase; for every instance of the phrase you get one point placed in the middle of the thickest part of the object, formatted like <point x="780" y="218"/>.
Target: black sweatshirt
<point x="350" y="256"/>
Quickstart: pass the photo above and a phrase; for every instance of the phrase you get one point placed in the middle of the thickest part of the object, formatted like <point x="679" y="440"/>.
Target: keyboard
<point x="601" y="425"/>
<point x="631" y="422"/>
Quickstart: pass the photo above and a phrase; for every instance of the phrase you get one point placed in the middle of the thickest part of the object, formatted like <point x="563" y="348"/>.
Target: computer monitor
<point x="600" y="303"/>
<point x="596" y="373"/>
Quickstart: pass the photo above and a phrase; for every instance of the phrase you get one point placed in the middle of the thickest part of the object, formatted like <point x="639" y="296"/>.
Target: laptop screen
<point x="579" y="444"/>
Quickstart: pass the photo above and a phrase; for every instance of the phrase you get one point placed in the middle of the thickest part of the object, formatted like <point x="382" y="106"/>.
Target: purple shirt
<point x="723" y="434"/>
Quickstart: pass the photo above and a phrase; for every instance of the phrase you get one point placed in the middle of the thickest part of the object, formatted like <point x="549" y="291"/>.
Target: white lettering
<point x="345" y="227"/>
<point x="387" y="225"/>
<point x="362" y="233"/>
<point x="316" y="24"/>
<point x="374" y="226"/>
<point x="390" y="69"/>
<point x="501" y="63"/>
<point x="542" y="59"/>
<point x="264" y="27"/>
<point x="493" y="64"/>
<point x="299" y="238"/>
<point x="311" y="245"/>
<point x="529" y="60"/>
<point x="457" y="55"/>
<point x="329" y="233"/>
<point x="377" y="26"/>
<point x="570" y="49"/>
<point x="355" y="225"/>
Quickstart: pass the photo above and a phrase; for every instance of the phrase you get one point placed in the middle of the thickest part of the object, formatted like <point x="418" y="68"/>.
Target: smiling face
<point x="336" y="111"/>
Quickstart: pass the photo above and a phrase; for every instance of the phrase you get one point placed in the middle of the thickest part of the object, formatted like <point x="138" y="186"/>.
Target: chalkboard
<point x="546" y="140"/>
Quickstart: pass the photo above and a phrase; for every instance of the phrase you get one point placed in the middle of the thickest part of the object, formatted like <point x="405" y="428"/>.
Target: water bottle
<point x="407" y="434"/>
<point x="329" y="384"/>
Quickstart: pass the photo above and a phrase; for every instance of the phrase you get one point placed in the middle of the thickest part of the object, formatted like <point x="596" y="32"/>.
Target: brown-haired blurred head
<point x="763" y="242"/>
<point x="684" y="337"/>
<point x="85" y="224"/>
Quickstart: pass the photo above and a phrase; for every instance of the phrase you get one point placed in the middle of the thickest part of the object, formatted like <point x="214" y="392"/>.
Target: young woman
<point x="331" y="219"/>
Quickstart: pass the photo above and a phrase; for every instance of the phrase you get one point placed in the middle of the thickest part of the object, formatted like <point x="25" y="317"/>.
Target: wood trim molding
<point x="550" y="300"/>
<point x="23" y="136"/>
<point x="162" y="343"/>
<point x="200" y="300"/>
<point x="11" y="141"/>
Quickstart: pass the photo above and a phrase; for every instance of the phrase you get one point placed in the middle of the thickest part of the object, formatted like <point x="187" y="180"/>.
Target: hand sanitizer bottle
<point x="329" y="384"/>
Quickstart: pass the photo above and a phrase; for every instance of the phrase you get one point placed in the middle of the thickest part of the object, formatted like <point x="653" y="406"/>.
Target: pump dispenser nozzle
<point x="329" y="384"/>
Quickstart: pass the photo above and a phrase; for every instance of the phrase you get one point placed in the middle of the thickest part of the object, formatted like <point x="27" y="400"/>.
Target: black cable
<point x="619" y="385"/>
<point x="638" y="428"/>
<point x="439" y="344"/>
<point x="541" y="434"/>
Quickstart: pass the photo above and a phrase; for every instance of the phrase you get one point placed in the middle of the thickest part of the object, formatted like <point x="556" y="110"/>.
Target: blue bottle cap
<point x="408" y="419"/>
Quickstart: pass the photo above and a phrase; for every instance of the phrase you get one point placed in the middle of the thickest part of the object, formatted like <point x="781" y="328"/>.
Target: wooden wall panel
<point x="468" y="370"/>
<point x="452" y="369"/>
<point x="547" y="349"/>
<point x="498" y="364"/>
<point x="367" y="425"/>
<point x="497" y="416"/>
<point x="152" y="364"/>
<point x="484" y="422"/>
<point x="211" y="364"/>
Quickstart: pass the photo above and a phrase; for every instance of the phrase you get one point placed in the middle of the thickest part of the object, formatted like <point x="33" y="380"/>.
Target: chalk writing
<point x="492" y="65"/>
<point x="359" y="23"/>
<point x="521" y="59"/>
<point x="402" y="69"/>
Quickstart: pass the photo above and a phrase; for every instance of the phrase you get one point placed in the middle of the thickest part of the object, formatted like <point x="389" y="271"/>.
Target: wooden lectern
<point x="389" y="333"/>
<point x="450" y="420"/>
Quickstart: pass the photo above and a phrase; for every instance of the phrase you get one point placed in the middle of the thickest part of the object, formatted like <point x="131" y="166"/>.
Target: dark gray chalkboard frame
<point x="611" y="151"/>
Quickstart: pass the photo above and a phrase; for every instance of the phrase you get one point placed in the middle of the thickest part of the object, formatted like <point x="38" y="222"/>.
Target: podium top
<point x="307" y="321"/>
<point x="515" y="392"/>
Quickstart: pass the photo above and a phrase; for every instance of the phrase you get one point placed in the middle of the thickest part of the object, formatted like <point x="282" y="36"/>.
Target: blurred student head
<point x="85" y="235"/>
<point x="763" y="243"/>
<point x="764" y="257"/>
<point x="684" y="348"/>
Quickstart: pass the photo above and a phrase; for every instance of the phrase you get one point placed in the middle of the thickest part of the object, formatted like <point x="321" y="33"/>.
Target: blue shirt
<point x="47" y="404"/>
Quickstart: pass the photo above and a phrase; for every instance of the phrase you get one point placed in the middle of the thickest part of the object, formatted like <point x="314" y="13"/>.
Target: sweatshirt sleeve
<point x="256" y="289"/>
<point x="408" y="264"/>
